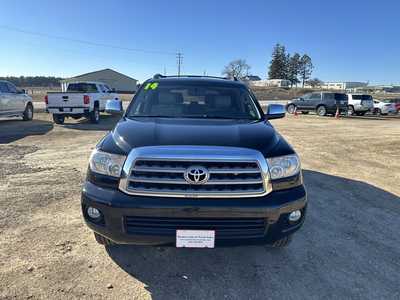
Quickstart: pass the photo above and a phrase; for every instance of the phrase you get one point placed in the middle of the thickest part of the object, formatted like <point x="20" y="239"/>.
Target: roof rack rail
<point x="159" y="76"/>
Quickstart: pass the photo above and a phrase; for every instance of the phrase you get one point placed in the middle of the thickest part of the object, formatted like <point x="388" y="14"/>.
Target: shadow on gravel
<point x="13" y="130"/>
<point x="107" y="122"/>
<point x="348" y="247"/>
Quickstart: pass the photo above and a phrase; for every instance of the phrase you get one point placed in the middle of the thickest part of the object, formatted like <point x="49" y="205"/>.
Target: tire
<point x="377" y="111"/>
<point x="350" y="110"/>
<point x="321" y="111"/>
<point x="283" y="242"/>
<point x="58" y="119"/>
<point x="28" y="113"/>
<point x="304" y="112"/>
<point x="94" y="116"/>
<point x="102" y="240"/>
<point x="291" y="108"/>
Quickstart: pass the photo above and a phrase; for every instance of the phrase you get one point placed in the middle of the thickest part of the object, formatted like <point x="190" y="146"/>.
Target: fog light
<point x="93" y="213"/>
<point x="294" y="216"/>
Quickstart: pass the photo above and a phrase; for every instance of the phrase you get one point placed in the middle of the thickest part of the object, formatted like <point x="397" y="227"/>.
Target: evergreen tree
<point x="306" y="68"/>
<point x="294" y="69"/>
<point x="278" y="68"/>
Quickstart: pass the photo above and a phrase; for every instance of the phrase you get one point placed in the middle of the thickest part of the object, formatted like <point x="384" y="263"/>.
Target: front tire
<point x="291" y="108"/>
<point x="58" y="119"/>
<point x="350" y="110"/>
<point x="102" y="240"/>
<point x="94" y="116"/>
<point x="321" y="111"/>
<point x="28" y="113"/>
<point x="283" y="242"/>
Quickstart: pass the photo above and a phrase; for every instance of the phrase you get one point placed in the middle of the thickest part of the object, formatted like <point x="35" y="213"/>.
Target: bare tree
<point x="237" y="68"/>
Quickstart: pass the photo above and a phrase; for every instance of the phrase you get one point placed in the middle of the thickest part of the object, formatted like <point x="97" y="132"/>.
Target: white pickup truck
<point x="81" y="99"/>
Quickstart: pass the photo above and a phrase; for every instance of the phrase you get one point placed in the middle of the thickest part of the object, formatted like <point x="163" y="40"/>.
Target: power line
<point x="179" y="58"/>
<point x="83" y="41"/>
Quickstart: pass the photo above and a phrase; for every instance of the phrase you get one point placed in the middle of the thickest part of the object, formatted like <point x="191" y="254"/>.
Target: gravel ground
<point x="349" y="246"/>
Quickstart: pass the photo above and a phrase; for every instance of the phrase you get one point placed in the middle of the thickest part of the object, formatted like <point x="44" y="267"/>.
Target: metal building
<point x="120" y="82"/>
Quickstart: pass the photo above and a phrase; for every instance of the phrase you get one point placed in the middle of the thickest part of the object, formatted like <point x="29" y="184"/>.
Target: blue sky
<point x="347" y="40"/>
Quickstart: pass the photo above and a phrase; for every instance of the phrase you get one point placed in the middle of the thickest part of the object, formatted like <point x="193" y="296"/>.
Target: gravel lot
<point x="349" y="246"/>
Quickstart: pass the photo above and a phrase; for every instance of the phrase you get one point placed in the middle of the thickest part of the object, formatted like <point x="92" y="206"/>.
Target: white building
<point x="272" y="83"/>
<point x="343" y="85"/>
<point x="120" y="82"/>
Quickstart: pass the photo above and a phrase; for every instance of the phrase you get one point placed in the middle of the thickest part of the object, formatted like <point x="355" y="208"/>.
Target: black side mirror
<point x="275" y="111"/>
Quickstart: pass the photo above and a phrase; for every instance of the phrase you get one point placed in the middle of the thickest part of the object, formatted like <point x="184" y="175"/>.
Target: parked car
<point x="15" y="102"/>
<point x="194" y="162"/>
<point x="384" y="107"/>
<point x="81" y="99"/>
<point x="322" y="103"/>
<point x="360" y="104"/>
<point x="395" y="102"/>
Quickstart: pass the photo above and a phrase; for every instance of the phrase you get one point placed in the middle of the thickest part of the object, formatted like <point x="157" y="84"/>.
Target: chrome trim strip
<point x="196" y="154"/>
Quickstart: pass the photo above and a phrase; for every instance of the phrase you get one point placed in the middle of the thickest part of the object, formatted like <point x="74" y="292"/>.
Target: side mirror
<point x="22" y="91"/>
<point x="114" y="107"/>
<point x="301" y="99"/>
<point x="275" y="111"/>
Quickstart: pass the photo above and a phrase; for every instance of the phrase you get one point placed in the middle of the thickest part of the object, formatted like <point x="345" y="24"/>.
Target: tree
<point x="278" y="68"/>
<point x="294" y="68"/>
<point x="236" y="69"/>
<point x="315" y="82"/>
<point x="306" y="68"/>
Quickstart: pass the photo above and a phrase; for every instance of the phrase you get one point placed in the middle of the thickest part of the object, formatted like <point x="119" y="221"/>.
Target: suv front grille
<point x="227" y="175"/>
<point x="234" y="228"/>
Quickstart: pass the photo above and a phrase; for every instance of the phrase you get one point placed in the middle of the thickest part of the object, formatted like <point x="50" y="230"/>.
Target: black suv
<point x="194" y="162"/>
<point x="322" y="103"/>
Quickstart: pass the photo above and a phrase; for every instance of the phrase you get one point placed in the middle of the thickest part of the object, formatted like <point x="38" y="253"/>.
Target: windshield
<point x="82" y="87"/>
<point x="193" y="101"/>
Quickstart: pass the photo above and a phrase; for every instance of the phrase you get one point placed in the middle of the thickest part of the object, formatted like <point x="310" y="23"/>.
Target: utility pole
<point x="179" y="60"/>
<point x="165" y="71"/>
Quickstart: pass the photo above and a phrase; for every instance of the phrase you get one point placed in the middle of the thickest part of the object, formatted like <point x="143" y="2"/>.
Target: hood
<point x="139" y="132"/>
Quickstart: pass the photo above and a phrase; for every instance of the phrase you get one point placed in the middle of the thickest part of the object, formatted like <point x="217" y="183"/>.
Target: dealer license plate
<point x="195" y="238"/>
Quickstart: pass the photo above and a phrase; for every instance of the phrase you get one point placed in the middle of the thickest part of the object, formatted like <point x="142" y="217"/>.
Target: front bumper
<point x="118" y="207"/>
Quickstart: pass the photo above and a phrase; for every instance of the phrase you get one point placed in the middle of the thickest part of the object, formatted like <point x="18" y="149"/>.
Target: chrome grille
<point x="232" y="175"/>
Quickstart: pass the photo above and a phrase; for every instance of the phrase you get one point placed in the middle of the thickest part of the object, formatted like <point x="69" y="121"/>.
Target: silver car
<point x="14" y="102"/>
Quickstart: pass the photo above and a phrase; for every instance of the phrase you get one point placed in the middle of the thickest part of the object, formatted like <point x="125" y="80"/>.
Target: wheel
<point x="304" y="112"/>
<point x="350" y="110"/>
<point x="102" y="240"/>
<point x="283" y="242"/>
<point x="94" y="116"/>
<point x="377" y="111"/>
<point x="58" y="119"/>
<point x="321" y="111"/>
<point x="28" y="113"/>
<point x="291" y="108"/>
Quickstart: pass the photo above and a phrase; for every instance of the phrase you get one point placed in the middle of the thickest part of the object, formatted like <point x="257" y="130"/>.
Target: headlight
<point x="106" y="163"/>
<point x="283" y="166"/>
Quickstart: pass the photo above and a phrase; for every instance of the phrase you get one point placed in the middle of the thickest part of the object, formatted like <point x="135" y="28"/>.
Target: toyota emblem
<point x="196" y="175"/>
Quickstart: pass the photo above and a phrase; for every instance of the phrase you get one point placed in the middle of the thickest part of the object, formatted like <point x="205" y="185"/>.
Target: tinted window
<point x="339" y="96"/>
<point x="366" y="97"/>
<point x="329" y="96"/>
<point x="315" y="96"/>
<point x="194" y="101"/>
<point x="3" y="87"/>
<point x="11" y="88"/>
<point x="82" y="87"/>
<point x="357" y="97"/>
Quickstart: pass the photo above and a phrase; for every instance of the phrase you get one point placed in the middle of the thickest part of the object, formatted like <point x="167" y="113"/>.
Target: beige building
<point x="118" y="81"/>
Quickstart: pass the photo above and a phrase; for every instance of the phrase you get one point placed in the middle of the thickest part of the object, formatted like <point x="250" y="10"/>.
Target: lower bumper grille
<point x="224" y="228"/>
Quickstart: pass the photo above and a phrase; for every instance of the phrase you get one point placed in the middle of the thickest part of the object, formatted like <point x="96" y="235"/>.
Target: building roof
<point x="94" y="72"/>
